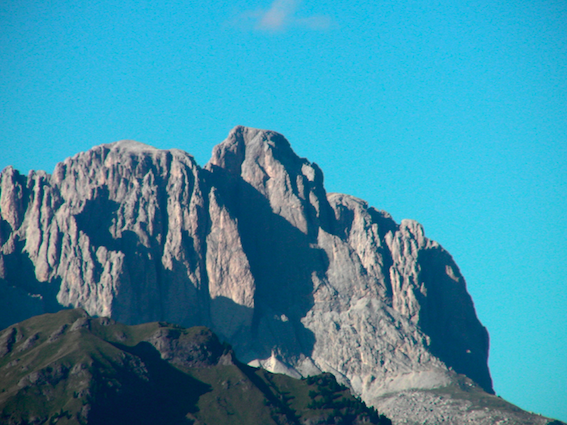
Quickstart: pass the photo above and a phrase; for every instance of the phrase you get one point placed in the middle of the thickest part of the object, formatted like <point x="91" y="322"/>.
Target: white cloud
<point x="280" y="16"/>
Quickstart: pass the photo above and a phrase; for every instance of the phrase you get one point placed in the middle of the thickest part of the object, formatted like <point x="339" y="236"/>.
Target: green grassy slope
<point x="69" y="368"/>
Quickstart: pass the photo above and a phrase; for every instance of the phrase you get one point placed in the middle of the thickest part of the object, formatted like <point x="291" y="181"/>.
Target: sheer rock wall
<point x="296" y="279"/>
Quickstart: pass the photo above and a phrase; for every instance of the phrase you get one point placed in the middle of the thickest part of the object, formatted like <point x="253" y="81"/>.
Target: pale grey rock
<point x="118" y="230"/>
<point x="297" y="280"/>
<point x="360" y="271"/>
<point x="29" y="342"/>
<point x="81" y="323"/>
<point x="58" y="333"/>
<point x="7" y="340"/>
<point x="418" y="407"/>
<point x="276" y="365"/>
<point x="231" y="283"/>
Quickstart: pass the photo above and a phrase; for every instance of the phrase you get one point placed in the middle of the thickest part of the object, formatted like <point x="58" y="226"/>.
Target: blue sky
<point x="452" y="113"/>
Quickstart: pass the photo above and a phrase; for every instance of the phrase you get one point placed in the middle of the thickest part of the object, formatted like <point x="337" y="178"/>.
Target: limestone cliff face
<point x="296" y="279"/>
<point x="350" y="283"/>
<point x="119" y="230"/>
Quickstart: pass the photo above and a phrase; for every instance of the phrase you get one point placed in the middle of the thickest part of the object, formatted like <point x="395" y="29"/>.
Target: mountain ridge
<point x="70" y="368"/>
<point x="252" y="246"/>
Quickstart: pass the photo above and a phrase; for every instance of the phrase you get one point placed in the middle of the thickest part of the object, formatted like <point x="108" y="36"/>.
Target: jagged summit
<point x="250" y="136"/>
<point x="130" y="145"/>
<point x="252" y="246"/>
<point x="245" y="144"/>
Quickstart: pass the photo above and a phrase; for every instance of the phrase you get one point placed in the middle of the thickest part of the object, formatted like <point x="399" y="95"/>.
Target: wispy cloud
<point x="282" y="15"/>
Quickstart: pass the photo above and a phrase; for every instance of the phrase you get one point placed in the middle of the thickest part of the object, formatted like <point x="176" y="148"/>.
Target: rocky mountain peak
<point x="263" y="162"/>
<point x="130" y="146"/>
<point x="246" y="143"/>
<point x="250" y="245"/>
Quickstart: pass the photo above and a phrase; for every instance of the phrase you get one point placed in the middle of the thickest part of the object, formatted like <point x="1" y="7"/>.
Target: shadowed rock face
<point x="251" y="245"/>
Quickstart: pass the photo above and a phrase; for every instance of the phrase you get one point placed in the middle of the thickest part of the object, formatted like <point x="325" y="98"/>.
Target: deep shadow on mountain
<point x="21" y="289"/>
<point x="166" y="397"/>
<point x="444" y="320"/>
<point x="96" y="219"/>
<point x="282" y="260"/>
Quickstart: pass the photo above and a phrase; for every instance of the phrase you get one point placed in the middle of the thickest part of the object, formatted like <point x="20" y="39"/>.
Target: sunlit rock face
<point x="296" y="279"/>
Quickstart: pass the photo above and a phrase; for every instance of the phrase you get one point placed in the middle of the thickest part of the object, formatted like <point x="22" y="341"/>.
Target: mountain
<point x="68" y="368"/>
<point x="299" y="281"/>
